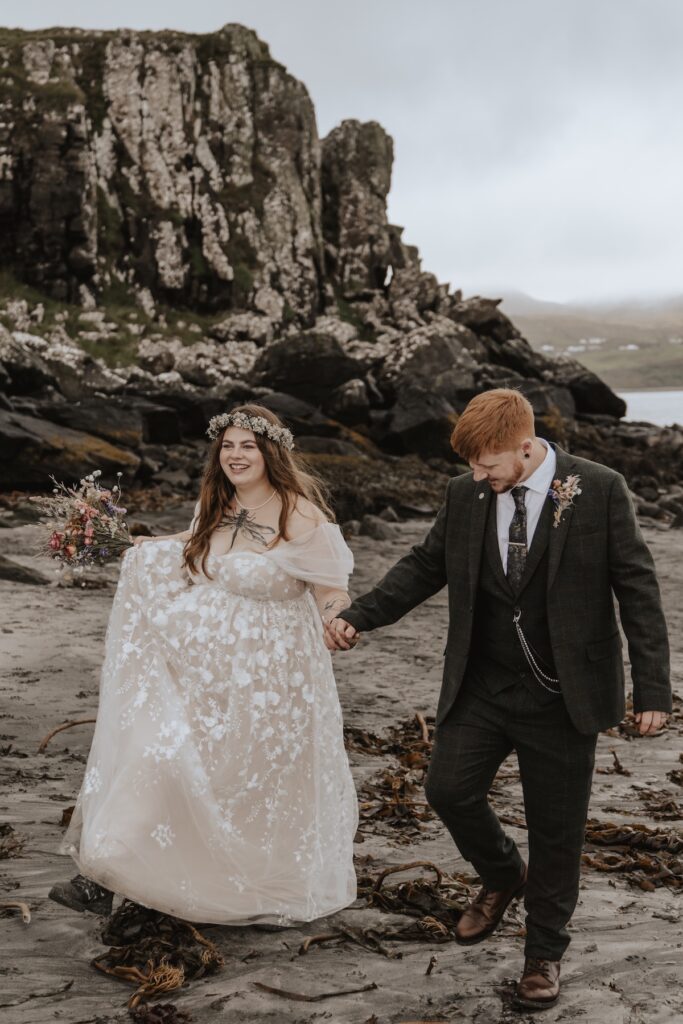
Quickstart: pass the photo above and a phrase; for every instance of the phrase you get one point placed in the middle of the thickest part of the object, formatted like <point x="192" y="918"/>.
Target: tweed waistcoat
<point x="496" y="656"/>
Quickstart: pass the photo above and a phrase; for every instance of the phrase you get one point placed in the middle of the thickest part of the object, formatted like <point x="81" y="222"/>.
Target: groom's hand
<point x="342" y="634"/>
<point x="649" y="722"/>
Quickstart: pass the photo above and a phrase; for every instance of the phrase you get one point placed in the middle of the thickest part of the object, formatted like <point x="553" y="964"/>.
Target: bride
<point x="217" y="787"/>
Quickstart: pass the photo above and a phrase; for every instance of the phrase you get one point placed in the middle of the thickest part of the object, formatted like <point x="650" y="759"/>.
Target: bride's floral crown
<point x="258" y="424"/>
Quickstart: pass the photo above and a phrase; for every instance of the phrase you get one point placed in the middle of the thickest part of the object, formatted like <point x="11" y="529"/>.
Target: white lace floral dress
<point x="217" y="787"/>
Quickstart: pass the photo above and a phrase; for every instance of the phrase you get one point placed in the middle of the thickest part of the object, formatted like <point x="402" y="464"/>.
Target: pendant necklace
<point x="242" y="521"/>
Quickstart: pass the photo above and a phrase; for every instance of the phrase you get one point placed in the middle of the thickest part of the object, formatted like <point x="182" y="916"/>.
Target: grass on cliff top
<point x="210" y="45"/>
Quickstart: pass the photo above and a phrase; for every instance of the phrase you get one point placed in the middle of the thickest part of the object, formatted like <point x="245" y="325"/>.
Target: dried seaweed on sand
<point x="410" y="742"/>
<point x="434" y="904"/>
<point x="161" y="1013"/>
<point x="648" y="857"/>
<point x="154" y="952"/>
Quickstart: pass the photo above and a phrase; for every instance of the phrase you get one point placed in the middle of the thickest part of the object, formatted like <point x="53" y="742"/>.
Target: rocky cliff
<point x="175" y="238"/>
<point x="185" y="165"/>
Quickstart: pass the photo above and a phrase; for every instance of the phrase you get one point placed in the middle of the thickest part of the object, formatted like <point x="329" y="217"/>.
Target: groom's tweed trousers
<point x="556" y="770"/>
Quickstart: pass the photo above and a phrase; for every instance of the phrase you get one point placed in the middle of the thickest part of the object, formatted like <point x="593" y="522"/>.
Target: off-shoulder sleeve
<point x="320" y="556"/>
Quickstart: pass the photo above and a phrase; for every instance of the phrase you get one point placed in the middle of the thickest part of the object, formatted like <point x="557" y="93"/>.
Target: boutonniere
<point x="562" y="494"/>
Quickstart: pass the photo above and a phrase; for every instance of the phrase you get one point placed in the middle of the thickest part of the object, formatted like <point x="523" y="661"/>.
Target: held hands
<point x="340" y="635"/>
<point x="649" y="722"/>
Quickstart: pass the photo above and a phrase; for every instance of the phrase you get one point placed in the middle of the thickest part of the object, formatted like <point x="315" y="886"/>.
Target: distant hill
<point x="629" y="344"/>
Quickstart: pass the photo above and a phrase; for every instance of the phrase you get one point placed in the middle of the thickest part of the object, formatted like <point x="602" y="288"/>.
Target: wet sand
<point x="625" y="962"/>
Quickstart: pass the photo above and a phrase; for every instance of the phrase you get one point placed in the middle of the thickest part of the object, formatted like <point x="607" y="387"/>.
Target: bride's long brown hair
<point x="287" y="474"/>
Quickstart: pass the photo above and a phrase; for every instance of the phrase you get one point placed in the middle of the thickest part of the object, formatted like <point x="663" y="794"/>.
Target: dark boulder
<point x="308" y="366"/>
<point x="481" y="316"/>
<point x="116" y="421"/>
<point x="130" y="421"/>
<point x="545" y="399"/>
<point x="16" y="573"/>
<point x="377" y="528"/>
<point x="32" y="449"/>
<point x="301" y="417"/>
<point x="327" y="445"/>
<point x="420" y="421"/>
<point x="590" y="393"/>
<point x="359" y="486"/>
<point x="305" y="421"/>
<point x="349" y="403"/>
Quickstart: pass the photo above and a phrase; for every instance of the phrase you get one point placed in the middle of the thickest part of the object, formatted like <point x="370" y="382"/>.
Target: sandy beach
<point x="624" y="963"/>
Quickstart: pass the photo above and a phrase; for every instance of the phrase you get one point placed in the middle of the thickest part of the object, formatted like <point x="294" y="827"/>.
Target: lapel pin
<point x="481" y="495"/>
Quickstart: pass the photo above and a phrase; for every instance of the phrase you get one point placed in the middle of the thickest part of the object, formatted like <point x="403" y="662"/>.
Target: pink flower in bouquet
<point x="56" y="541"/>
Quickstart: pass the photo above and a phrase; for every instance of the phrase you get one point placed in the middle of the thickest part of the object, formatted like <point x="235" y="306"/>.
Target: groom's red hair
<point x="495" y="421"/>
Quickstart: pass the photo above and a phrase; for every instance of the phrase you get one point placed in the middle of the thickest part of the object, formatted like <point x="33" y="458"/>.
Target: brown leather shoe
<point x="485" y="912"/>
<point x="539" y="985"/>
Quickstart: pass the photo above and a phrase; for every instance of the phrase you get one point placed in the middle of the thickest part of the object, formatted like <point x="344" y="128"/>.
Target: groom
<point x="533" y="544"/>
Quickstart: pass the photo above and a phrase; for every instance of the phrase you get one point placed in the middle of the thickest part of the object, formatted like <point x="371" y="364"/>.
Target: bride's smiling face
<point x="241" y="458"/>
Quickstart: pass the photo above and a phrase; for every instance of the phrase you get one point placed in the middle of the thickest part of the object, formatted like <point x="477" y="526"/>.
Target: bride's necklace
<point x="254" y="508"/>
<point x="243" y="521"/>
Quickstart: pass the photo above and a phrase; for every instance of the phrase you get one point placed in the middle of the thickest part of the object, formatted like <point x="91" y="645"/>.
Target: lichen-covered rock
<point x="33" y="363"/>
<point x="23" y="369"/>
<point x="255" y="327"/>
<point x="426" y="353"/>
<point x="183" y="166"/>
<point x="205" y="363"/>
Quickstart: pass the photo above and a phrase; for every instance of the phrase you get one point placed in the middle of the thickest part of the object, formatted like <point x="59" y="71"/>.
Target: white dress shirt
<point x="538" y="486"/>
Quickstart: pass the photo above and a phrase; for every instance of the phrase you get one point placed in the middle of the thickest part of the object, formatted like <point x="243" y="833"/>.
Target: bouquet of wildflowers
<point x="90" y="528"/>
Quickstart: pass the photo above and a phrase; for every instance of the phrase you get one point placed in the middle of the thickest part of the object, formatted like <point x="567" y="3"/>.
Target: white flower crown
<point x="258" y="424"/>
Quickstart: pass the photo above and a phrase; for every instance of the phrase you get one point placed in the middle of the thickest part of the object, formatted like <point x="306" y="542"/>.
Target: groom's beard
<point x="503" y="484"/>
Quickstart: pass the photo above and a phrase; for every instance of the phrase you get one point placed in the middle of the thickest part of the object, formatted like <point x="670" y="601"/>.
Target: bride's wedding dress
<point x="217" y="787"/>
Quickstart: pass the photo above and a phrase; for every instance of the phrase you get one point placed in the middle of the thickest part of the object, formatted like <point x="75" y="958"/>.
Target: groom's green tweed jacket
<point x="595" y="552"/>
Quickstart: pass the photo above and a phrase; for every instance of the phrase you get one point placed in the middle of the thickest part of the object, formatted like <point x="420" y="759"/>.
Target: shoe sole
<point x="534" y="1004"/>
<point x="484" y="935"/>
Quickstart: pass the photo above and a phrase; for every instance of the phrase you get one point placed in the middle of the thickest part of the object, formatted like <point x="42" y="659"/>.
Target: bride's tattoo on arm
<point x="334" y="605"/>
<point x="253" y="530"/>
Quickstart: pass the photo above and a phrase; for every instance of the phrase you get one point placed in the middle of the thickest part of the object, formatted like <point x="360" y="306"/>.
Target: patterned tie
<point x="517" y="542"/>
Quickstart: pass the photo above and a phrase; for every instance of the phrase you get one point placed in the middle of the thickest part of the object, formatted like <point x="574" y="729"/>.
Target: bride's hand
<point x="140" y="539"/>
<point x="327" y="637"/>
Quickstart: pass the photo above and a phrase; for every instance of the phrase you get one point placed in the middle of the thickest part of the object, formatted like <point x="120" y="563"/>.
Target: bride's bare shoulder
<point x="303" y="517"/>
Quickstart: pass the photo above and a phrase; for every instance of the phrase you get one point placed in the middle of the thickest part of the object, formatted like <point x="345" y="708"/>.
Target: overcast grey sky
<point x="538" y="143"/>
